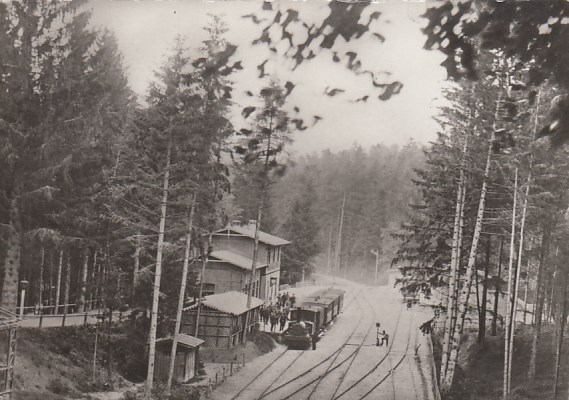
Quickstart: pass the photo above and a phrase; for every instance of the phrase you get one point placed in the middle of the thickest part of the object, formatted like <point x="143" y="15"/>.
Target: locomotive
<point x="311" y="317"/>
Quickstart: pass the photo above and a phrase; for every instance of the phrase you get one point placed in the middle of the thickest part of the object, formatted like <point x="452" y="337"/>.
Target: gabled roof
<point x="183" y="340"/>
<point x="250" y="233"/>
<point x="236" y="259"/>
<point x="234" y="303"/>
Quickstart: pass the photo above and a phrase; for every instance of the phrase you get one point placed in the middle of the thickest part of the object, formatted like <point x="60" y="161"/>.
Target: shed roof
<point x="183" y="340"/>
<point x="250" y="233"/>
<point x="234" y="303"/>
<point x="237" y="259"/>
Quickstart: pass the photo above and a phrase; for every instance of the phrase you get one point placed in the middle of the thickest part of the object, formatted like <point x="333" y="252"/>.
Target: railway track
<point x="256" y="388"/>
<point x="390" y="373"/>
<point x="347" y="372"/>
<point x="296" y="380"/>
<point x="305" y="384"/>
<point x="369" y="373"/>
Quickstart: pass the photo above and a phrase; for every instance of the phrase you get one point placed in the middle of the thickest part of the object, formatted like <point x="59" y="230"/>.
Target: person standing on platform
<point x="282" y="320"/>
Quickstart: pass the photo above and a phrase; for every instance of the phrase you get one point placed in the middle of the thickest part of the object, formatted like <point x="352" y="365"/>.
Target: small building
<point x="229" y="265"/>
<point x="187" y="356"/>
<point x="223" y="319"/>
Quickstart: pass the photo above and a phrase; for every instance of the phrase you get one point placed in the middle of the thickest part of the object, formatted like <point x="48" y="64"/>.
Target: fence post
<point x="120" y="316"/>
<point x="85" y="318"/>
<point x="41" y="319"/>
<point x="243" y="359"/>
<point x="216" y="379"/>
<point x="63" y="319"/>
<point x="231" y="369"/>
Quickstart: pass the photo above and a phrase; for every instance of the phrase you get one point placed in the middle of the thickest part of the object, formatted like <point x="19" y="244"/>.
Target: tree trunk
<point x="9" y="299"/>
<point x="40" y="291"/>
<point x="51" y="300"/>
<point x="560" y="332"/>
<point x="454" y="266"/>
<point x="182" y="295"/>
<point x="67" y="283"/>
<point x="58" y="284"/>
<point x="540" y="297"/>
<point x="517" y="283"/>
<point x="99" y="283"/>
<point x="83" y="285"/>
<point x="550" y="302"/>
<point x="200" y="295"/>
<point x="158" y="273"/>
<point x="469" y="274"/>
<point x="510" y="297"/>
<point x="497" y="288"/>
<point x="482" y="315"/>
<point x="527" y="282"/>
<point x="258" y="227"/>
<point x="93" y="284"/>
<point x="136" y="268"/>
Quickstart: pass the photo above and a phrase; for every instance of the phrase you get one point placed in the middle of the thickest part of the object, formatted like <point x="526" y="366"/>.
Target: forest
<point x="105" y="197"/>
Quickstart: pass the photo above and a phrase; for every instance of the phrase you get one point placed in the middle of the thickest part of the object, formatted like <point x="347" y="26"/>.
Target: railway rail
<point x="347" y="372"/>
<point x="248" y="388"/>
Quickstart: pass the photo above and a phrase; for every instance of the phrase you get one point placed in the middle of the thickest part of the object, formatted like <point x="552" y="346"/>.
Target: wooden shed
<point x="186" y="364"/>
<point x="222" y="319"/>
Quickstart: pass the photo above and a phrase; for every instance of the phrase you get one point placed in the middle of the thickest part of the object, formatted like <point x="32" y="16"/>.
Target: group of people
<point x="286" y="300"/>
<point x="277" y="314"/>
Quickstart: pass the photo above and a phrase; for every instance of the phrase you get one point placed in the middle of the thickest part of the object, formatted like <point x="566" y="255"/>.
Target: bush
<point x="57" y="386"/>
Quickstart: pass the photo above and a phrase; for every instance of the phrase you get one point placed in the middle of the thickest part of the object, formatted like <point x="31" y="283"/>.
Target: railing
<point x="50" y="309"/>
<point x="227" y="370"/>
<point x="72" y="319"/>
<point x="434" y="379"/>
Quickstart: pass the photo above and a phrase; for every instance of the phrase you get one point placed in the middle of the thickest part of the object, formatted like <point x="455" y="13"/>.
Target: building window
<point x="208" y="288"/>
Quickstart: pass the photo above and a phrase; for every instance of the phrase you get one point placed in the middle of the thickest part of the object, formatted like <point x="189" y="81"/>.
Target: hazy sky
<point x="146" y="30"/>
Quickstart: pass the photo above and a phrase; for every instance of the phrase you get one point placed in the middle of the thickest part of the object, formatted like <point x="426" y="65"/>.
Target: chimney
<point x="252" y="224"/>
<point x="236" y="222"/>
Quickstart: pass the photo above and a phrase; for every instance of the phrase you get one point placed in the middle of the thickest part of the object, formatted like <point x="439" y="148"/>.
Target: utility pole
<point x="339" y="238"/>
<point x="328" y="260"/>
<point x="376" y="253"/>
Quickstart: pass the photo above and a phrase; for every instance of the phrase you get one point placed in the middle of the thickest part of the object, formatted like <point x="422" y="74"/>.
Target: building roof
<point x="250" y="233"/>
<point x="237" y="259"/>
<point x="183" y="340"/>
<point x="229" y="302"/>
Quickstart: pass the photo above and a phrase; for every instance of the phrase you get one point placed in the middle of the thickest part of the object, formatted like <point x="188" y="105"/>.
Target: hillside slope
<point x="57" y="363"/>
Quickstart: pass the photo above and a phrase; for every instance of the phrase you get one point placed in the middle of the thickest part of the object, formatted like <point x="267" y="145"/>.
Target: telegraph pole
<point x="339" y="238"/>
<point x="376" y="253"/>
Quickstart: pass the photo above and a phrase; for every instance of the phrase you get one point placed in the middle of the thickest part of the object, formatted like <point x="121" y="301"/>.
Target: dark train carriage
<point x="336" y="298"/>
<point x="314" y="314"/>
<point x="339" y="295"/>
<point x="327" y="306"/>
<point x="311" y="316"/>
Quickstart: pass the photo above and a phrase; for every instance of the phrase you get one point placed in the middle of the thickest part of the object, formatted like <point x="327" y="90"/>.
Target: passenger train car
<point x="311" y="316"/>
